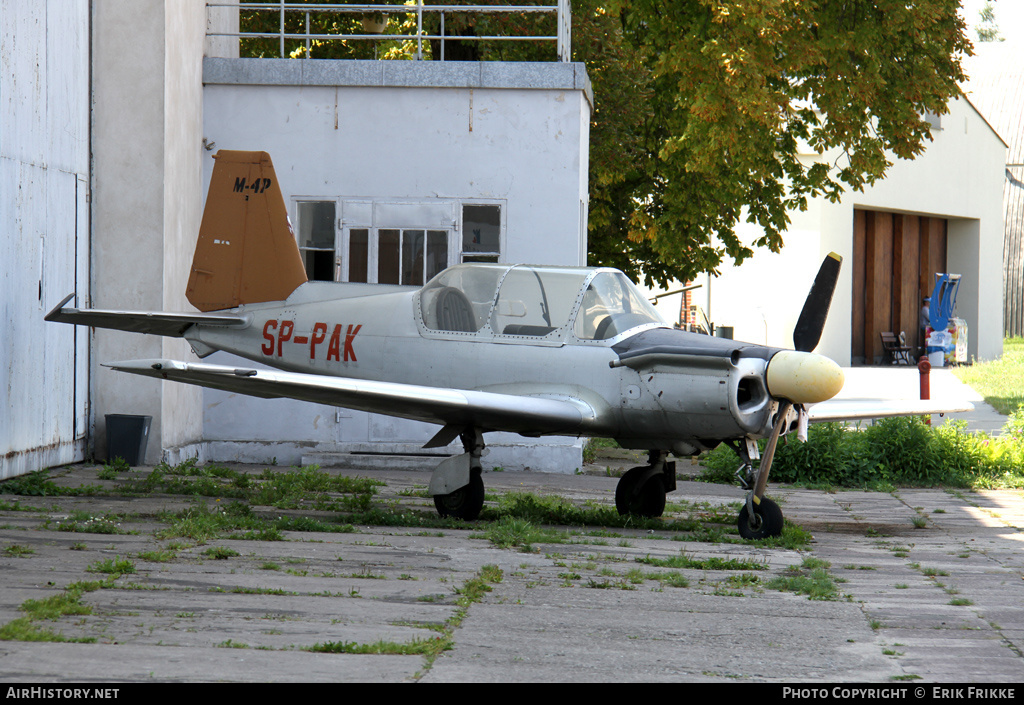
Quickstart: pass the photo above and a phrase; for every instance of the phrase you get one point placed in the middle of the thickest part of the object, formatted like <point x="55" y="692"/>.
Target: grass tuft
<point x="811" y="578"/>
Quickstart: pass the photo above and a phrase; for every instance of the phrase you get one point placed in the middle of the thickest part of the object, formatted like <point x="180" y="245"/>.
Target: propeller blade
<point x="812" y="318"/>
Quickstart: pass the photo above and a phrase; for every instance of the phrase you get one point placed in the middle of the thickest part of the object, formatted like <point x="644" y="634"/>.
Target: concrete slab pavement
<point x="939" y="603"/>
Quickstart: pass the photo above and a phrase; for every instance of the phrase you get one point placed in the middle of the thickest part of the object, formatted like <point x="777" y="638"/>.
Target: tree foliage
<point x="743" y="95"/>
<point x="324" y="22"/>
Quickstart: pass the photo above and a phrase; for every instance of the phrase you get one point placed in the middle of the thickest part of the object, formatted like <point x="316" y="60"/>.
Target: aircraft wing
<point x="173" y="325"/>
<point x="855" y="409"/>
<point x="454" y="408"/>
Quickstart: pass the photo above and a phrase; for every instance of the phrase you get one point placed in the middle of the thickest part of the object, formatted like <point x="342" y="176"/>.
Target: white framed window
<point x="481" y="232"/>
<point x="317" y="238"/>
<point x="406" y="256"/>
<point x="394" y="242"/>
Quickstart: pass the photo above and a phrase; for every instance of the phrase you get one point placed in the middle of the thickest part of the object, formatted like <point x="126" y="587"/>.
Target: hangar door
<point x="895" y="258"/>
<point x="44" y="232"/>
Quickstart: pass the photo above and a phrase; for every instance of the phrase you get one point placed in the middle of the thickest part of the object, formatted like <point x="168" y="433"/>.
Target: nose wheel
<point x="760" y="520"/>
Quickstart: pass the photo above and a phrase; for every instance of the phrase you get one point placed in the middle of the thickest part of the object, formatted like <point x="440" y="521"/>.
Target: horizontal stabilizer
<point x="856" y="409"/>
<point x="489" y="411"/>
<point x="155" y="323"/>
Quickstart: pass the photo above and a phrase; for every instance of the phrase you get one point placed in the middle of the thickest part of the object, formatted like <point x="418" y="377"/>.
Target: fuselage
<point x="648" y="385"/>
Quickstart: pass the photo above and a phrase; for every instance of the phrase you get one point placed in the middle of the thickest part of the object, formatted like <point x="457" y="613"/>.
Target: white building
<point x="941" y="212"/>
<point x="481" y="161"/>
<point x="996" y="87"/>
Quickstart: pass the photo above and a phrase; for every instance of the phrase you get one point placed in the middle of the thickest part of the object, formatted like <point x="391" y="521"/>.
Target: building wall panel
<point x="44" y="99"/>
<point x="878" y="282"/>
<point x="892" y="271"/>
<point x="22" y="81"/>
<point x="1013" y="251"/>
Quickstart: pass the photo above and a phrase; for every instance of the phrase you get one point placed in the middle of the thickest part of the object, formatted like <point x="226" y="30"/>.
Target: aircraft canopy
<point x="534" y="302"/>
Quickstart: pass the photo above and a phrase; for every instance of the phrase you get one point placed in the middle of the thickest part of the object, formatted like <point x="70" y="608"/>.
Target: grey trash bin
<point x="127" y="435"/>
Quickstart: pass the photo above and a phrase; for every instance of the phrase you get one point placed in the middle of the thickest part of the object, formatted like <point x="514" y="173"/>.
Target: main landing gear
<point x="641" y="491"/>
<point x="465" y="502"/>
<point x="457" y="485"/>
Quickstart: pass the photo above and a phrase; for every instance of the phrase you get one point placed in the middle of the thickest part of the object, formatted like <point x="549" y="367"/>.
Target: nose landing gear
<point x="760" y="517"/>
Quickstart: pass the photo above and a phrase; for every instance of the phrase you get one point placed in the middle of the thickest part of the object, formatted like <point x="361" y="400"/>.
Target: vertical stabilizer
<point x="246" y="251"/>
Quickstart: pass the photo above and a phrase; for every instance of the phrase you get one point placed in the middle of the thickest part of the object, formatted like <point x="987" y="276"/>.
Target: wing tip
<point x="55" y="312"/>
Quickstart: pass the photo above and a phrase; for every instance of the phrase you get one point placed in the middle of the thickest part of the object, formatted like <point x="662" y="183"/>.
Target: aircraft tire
<point x="646" y="500"/>
<point x="465" y="502"/>
<point x="766" y="523"/>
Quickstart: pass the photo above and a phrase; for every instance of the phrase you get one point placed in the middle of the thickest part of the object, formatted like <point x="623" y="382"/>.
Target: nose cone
<point x="803" y="378"/>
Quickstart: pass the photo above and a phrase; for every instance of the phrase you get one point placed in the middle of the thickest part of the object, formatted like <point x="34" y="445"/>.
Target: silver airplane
<point x="533" y="350"/>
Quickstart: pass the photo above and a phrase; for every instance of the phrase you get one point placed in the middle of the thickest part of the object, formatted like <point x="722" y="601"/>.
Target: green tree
<point x="298" y="21"/>
<point x="744" y="89"/>
<point x="623" y="143"/>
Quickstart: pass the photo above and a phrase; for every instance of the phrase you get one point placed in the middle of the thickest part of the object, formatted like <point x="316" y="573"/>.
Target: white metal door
<point x="44" y="157"/>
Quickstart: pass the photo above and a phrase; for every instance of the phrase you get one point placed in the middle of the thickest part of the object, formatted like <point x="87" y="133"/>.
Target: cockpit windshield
<point x="612" y="305"/>
<point x="533" y="302"/>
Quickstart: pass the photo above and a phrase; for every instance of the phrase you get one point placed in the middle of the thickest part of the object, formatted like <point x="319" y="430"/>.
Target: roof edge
<point x="562" y="76"/>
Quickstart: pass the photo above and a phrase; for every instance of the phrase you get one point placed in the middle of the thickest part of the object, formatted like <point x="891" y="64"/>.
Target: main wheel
<point x="465" y="502"/>
<point x="641" y="496"/>
<point x="765" y="523"/>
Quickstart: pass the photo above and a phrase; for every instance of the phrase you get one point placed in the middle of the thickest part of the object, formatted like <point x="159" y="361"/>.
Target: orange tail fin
<point x="246" y="251"/>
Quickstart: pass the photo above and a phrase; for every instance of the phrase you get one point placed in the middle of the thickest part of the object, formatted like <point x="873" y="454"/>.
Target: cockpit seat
<point x="454" y="312"/>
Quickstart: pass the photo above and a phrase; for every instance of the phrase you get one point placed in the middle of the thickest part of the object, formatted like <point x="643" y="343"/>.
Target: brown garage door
<point x="895" y="258"/>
